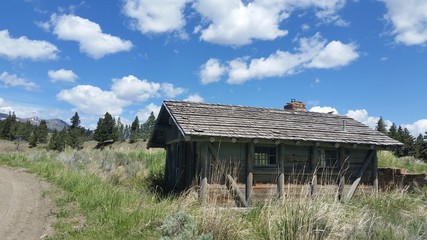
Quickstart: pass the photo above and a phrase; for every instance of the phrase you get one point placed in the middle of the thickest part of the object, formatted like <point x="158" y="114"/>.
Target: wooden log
<point x="313" y="185"/>
<point x="375" y="173"/>
<point x="237" y="195"/>
<point x="341" y="186"/>
<point x="360" y="175"/>
<point x="281" y="185"/>
<point x="249" y="179"/>
<point x="281" y="179"/>
<point x="203" y="174"/>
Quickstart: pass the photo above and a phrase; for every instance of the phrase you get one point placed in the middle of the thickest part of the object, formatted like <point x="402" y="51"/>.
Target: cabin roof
<point x="240" y="122"/>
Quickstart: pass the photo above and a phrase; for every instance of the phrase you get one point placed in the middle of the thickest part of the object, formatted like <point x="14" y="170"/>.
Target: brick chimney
<point x="295" y="105"/>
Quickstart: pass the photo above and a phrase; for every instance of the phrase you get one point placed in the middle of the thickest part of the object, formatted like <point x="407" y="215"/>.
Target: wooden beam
<point x="281" y="178"/>
<point x="360" y="175"/>
<point x="235" y="192"/>
<point x="313" y="185"/>
<point x="375" y="173"/>
<point x="249" y="174"/>
<point x="203" y="173"/>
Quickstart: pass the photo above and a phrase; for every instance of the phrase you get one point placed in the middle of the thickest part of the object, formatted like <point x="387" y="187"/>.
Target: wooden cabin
<point x="214" y="144"/>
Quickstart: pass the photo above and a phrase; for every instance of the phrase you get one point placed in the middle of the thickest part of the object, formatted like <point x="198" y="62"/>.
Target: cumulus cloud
<point x="144" y="113"/>
<point x="408" y="19"/>
<point x="132" y="88"/>
<point x="323" y="109"/>
<point x="236" y="22"/>
<point x="92" y="41"/>
<point x="92" y="100"/>
<point x="335" y="54"/>
<point x="417" y="128"/>
<point x="314" y="52"/>
<point x="12" y="80"/>
<point x="62" y="75"/>
<point x="156" y="16"/>
<point x="211" y="71"/>
<point x="24" y="48"/>
<point x="170" y="91"/>
<point x="194" y="98"/>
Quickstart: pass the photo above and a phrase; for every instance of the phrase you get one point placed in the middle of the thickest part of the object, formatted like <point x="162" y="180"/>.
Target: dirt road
<point x="24" y="212"/>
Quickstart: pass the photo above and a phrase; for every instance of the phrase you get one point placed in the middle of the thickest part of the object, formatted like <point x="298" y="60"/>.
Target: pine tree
<point x="392" y="132"/>
<point x="8" y="127"/>
<point x="53" y="140"/>
<point x="33" y="138"/>
<point x="418" y="146"/>
<point x="148" y="126"/>
<point x="75" y="121"/>
<point x="75" y="132"/>
<point x="106" y="129"/>
<point x="134" y="130"/>
<point x="42" y="132"/>
<point x="381" y="126"/>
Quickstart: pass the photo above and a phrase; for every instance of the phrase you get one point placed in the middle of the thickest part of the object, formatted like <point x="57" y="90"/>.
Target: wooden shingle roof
<point x="218" y="120"/>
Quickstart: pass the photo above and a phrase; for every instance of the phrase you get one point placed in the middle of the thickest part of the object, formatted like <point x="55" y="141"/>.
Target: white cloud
<point x="312" y="52"/>
<point x="11" y="80"/>
<point x="93" y="100"/>
<point x="236" y="22"/>
<point x="417" y="128"/>
<point x="170" y="91"/>
<point x="133" y="89"/>
<point x="89" y="35"/>
<point x="409" y="20"/>
<point x="362" y="116"/>
<point x="194" y="98"/>
<point x="144" y="113"/>
<point x="22" y="47"/>
<point x="211" y="71"/>
<point x="62" y="75"/>
<point x="323" y="109"/>
<point x="335" y="54"/>
<point x="156" y="16"/>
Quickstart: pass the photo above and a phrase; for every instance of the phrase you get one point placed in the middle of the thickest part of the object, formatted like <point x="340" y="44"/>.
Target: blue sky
<point x="364" y="59"/>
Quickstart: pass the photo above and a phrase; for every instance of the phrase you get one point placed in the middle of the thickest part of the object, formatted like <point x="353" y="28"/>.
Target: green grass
<point x="109" y="195"/>
<point x="387" y="159"/>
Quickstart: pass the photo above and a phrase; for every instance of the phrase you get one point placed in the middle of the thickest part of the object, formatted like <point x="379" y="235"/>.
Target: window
<point x="327" y="158"/>
<point x="265" y="156"/>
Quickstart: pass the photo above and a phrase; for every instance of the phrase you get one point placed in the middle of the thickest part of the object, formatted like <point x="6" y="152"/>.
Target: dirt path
<point x="24" y="212"/>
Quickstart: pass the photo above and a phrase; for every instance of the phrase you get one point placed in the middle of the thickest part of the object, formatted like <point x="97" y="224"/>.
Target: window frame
<point x="271" y="152"/>
<point x="329" y="162"/>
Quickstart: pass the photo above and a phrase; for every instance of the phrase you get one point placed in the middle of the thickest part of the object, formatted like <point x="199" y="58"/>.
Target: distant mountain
<point x="52" y="124"/>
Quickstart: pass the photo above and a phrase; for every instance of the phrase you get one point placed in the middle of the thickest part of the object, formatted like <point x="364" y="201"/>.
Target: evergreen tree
<point x="53" y="140"/>
<point x="106" y="129"/>
<point x="25" y="131"/>
<point x="8" y="128"/>
<point x="148" y="127"/>
<point x="42" y="132"/>
<point x="33" y="138"/>
<point x="75" y="132"/>
<point x="392" y="132"/>
<point x="75" y="121"/>
<point x="419" y="146"/>
<point x="134" y="130"/>
<point x="381" y="126"/>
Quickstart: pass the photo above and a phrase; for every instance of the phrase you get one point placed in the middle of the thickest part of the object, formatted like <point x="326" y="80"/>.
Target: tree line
<point x="416" y="147"/>
<point x="74" y="135"/>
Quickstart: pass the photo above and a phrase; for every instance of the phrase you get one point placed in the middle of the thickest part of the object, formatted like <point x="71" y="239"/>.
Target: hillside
<point x="52" y="124"/>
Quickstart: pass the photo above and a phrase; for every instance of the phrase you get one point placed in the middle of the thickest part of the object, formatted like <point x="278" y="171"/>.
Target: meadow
<point x="118" y="194"/>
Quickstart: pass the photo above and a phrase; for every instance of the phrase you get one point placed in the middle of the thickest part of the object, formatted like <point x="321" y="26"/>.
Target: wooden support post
<point x="313" y="185"/>
<point x="281" y="178"/>
<point x="203" y="173"/>
<point x="313" y="158"/>
<point x="375" y="173"/>
<point x="341" y="185"/>
<point x="341" y="166"/>
<point x="249" y="175"/>
<point x="235" y="192"/>
<point x="360" y="174"/>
